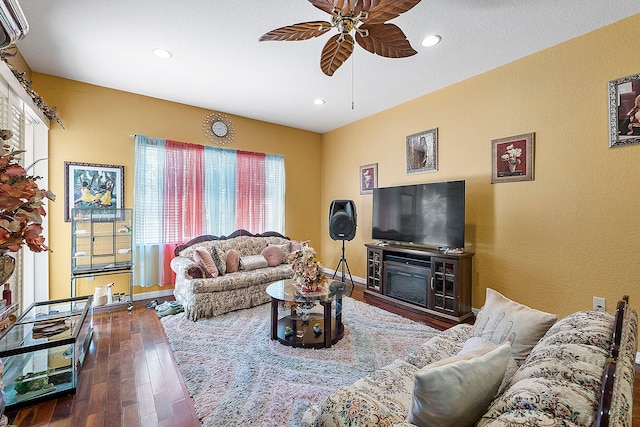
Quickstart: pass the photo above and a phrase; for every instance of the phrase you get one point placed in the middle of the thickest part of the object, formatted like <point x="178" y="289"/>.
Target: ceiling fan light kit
<point x="367" y="19"/>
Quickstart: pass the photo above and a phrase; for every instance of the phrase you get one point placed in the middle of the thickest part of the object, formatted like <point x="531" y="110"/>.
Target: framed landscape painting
<point x="92" y="186"/>
<point x="512" y="158"/>
<point x="624" y="111"/>
<point x="422" y="151"/>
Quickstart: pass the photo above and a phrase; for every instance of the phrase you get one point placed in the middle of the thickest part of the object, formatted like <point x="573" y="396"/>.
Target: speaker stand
<point x="343" y="263"/>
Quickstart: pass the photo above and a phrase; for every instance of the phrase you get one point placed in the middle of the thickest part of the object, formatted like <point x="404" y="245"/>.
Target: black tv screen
<point x="423" y="214"/>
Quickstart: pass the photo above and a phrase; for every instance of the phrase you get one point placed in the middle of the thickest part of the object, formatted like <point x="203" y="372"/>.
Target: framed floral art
<point x="368" y="178"/>
<point x="512" y="158"/>
<point x="92" y="186"/>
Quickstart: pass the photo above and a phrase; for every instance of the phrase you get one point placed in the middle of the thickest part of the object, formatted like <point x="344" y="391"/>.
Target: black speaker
<point x="342" y="220"/>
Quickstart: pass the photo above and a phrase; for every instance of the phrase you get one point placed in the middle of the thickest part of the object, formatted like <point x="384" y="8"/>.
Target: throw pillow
<point x="456" y="391"/>
<point x="501" y="319"/>
<point x="203" y="258"/>
<point x="273" y="255"/>
<point x="285" y="248"/>
<point x="253" y="262"/>
<point x="475" y="343"/>
<point x="220" y="259"/>
<point x="233" y="261"/>
<point x="196" y="272"/>
<point x="296" y="246"/>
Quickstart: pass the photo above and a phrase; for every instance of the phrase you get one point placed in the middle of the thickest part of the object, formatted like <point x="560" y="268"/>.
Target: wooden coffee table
<point x="293" y="315"/>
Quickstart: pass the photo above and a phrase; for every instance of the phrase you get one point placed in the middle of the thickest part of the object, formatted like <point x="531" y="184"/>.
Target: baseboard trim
<point x="152" y="295"/>
<point x="330" y="273"/>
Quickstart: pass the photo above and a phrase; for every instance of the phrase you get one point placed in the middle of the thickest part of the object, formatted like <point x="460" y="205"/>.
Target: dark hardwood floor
<point x="130" y="377"/>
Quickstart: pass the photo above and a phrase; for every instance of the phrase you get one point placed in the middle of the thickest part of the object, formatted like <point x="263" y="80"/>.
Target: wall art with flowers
<point x="512" y="158"/>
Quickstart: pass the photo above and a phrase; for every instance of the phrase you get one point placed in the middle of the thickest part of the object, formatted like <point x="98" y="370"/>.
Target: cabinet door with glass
<point x="444" y="286"/>
<point x="374" y="269"/>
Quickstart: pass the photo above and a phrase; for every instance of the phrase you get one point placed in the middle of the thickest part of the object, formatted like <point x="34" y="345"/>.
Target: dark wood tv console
<point x="421" y="279"/>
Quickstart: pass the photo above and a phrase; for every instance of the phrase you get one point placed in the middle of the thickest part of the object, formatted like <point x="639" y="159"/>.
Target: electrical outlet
<point x="599" y="304"/>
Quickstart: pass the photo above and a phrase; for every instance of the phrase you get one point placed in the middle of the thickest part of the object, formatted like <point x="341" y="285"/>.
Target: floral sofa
<point x="580" y="373"/>
<point x="236" y="286"/>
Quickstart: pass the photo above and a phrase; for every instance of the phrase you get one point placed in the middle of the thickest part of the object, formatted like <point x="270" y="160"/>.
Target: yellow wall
<point x="552" y="243"/>
<point x="99" y="123"/>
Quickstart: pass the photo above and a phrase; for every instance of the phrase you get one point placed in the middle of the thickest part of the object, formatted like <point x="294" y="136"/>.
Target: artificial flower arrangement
<point x="21" y="206"/>
<point x="307" y="270"/>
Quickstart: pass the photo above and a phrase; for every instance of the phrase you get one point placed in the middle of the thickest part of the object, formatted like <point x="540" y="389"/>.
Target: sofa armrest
<point x="181" y="264"/>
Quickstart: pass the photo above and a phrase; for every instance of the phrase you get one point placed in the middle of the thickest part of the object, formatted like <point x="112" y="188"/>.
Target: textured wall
<point x="552" y="243"/>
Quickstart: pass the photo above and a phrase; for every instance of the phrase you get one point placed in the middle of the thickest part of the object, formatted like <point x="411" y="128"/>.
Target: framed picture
<point x="368" y="178"/>
<point x="93" y="186"/>
<point x="624" y="111"/>
<point x="512" y="158"/>
<point x="422" y="151"/>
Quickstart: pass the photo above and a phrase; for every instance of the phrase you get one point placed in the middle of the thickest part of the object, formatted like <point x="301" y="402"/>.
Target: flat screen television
<point x="429" y="215"/>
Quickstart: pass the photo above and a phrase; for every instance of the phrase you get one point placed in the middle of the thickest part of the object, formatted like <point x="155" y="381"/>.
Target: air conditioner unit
<point x="13" y="23"/>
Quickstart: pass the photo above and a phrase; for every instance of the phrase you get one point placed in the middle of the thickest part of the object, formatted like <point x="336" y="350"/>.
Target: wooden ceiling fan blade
<point x="303" y="31"/>
<point x="325" y="5"/>
<point x="385" y="10"/>
<point x="386" y="40"/>
<point x="344" y="6"/>
<point x="335" y="53"/>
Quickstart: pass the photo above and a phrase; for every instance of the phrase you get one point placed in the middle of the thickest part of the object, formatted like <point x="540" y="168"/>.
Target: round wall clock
<point x="218" y="128"/>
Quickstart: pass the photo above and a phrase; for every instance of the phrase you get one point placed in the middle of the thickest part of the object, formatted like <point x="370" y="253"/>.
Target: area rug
<point x="238" y="376"/>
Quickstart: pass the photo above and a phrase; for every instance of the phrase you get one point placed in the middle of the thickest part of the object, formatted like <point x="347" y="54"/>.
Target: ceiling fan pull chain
<point x="353" y="59"/>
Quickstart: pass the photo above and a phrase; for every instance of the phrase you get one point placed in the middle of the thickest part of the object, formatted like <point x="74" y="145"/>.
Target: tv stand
<point x="421" y="279"/>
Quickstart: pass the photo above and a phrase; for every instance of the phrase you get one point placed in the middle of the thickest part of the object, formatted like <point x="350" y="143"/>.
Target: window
<point x="182" y="191"/>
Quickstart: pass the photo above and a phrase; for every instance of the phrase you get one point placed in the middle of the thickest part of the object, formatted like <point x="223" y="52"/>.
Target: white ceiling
<point x="218" y="63"/>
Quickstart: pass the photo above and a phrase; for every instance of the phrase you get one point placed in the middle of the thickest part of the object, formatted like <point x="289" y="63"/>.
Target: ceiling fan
<point x="368" y="18"/>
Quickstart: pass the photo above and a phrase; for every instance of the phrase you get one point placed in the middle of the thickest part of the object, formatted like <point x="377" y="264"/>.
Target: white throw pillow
<point x="501" y="320"/>
<point x="456" y="391"/>
<point x="475" y="343"/>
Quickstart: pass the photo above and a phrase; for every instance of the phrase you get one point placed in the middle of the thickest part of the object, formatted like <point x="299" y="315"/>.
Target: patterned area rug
<point x="238" y="376"/>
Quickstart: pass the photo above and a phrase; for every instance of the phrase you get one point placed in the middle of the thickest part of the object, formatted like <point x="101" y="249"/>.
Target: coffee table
<point x="293" y="315"/>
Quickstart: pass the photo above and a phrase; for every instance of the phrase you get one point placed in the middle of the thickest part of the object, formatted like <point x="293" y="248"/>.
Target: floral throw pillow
<point x="220" y="259"/>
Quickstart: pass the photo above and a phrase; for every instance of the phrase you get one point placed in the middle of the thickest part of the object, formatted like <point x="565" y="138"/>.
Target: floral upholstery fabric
<point x="207" y="297"/>
<point x="379" y="399"/>
<point x="383" y="398"/>
<point x="560" y="382"/>
<point x="557" y="385"/>
<point x="440" y="347"/>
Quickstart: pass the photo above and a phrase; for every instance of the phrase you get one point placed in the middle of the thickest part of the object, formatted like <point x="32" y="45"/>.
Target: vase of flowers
<point x="511" y="157"/>
<point x="21" y="209"/>
<point x="307" y="270"/>
<point x="21" y="204"/>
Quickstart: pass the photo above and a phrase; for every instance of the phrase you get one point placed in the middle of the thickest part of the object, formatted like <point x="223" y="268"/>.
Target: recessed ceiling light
<point x="431" y="40"/>
<point x="319" y="101"/>
<point x="162" y="53"/>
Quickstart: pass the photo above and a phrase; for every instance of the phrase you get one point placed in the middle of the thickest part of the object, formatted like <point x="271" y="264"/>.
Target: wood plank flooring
<point x="130" y="377"/>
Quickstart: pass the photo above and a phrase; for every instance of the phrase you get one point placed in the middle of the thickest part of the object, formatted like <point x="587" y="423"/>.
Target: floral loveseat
<point x="580" y="373"/>
<point x="243" y="273"/>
